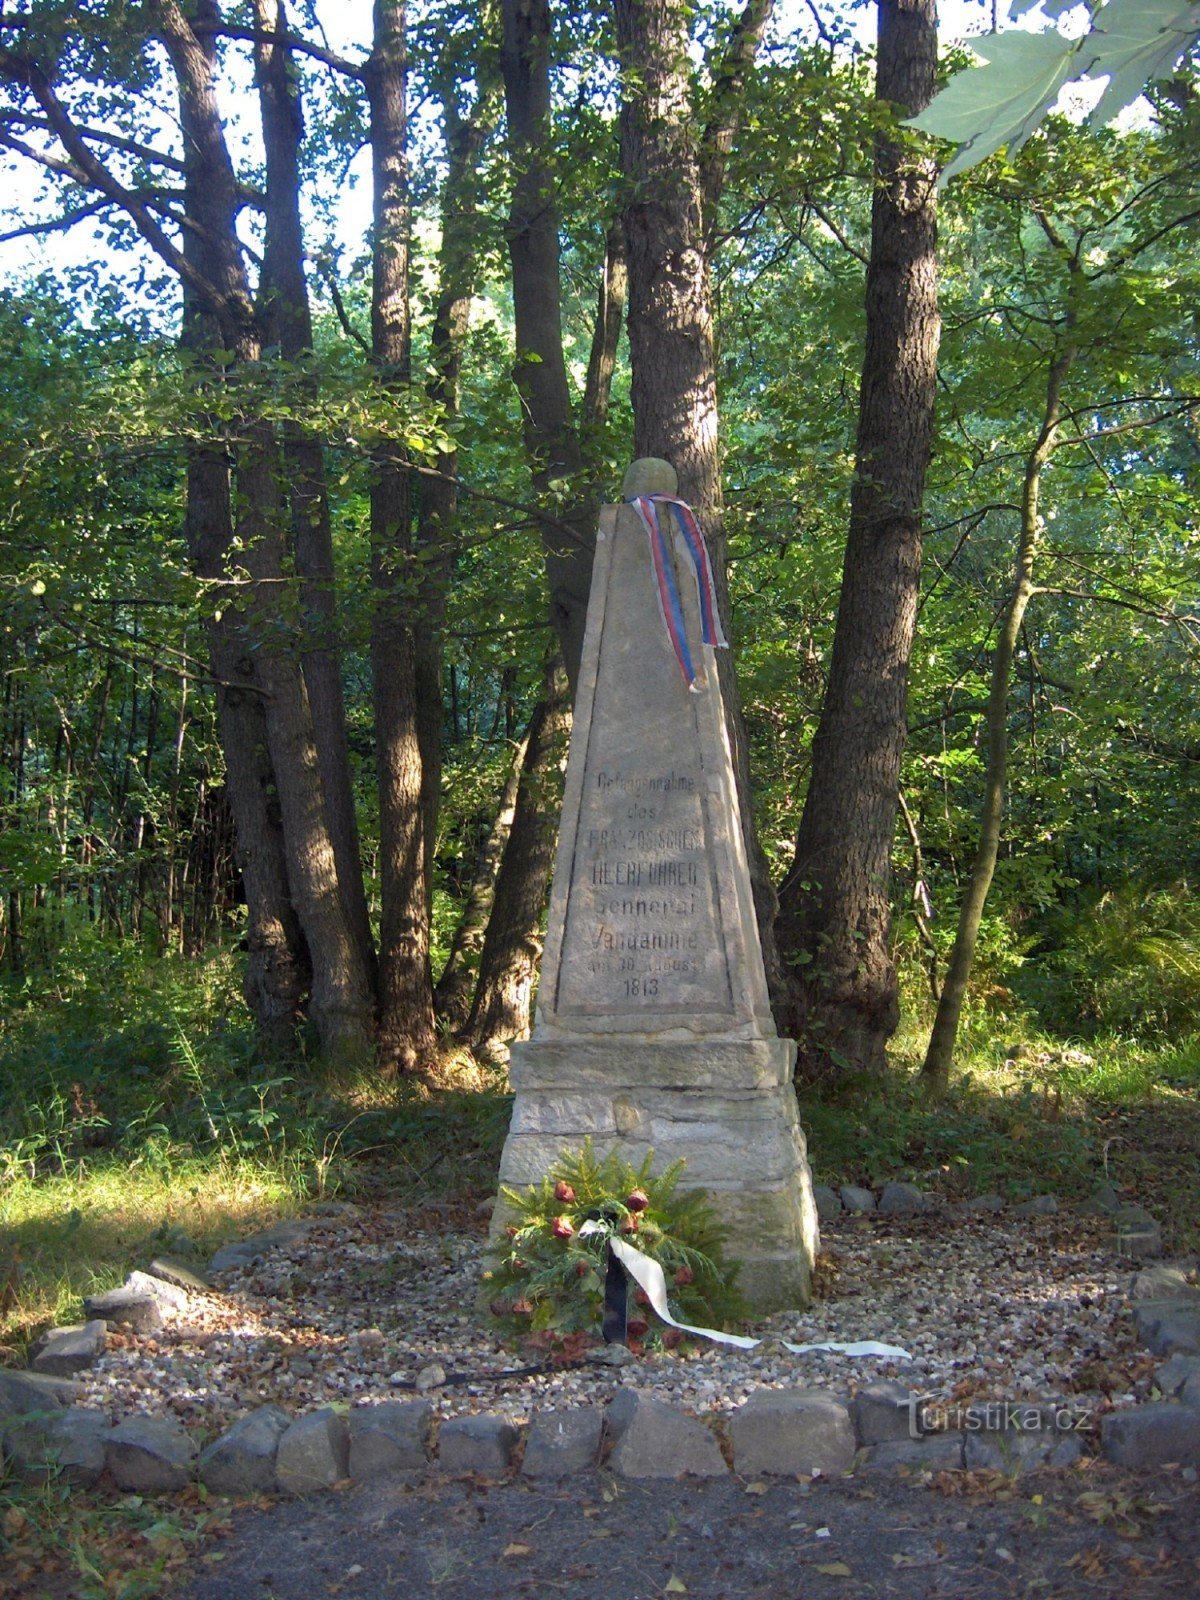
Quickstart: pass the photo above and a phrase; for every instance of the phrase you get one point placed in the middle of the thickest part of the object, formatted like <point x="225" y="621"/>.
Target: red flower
<point x="684" y="1275"/>
<point x="499" y="1308"/>
<point x="564" y="1193"/>
<point x="672" y="1338"/>
<point x="638" y="1200"/>
<point x="637" y="1327"/>
<point x="642" y="1298"/>
<point x="522" y="1308"/>
<point x="629" y="1224"/>
<point x="562" y="1228"/>
<point x="581" y="1269"/>
<point x="511" y="1230"/>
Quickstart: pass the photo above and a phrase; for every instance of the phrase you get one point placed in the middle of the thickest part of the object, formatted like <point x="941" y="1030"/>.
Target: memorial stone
<point x="653" y="1028"/>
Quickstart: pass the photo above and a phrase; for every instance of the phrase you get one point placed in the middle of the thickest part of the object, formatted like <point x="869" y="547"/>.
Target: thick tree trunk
<point x="407" y="1036"/>
<point x="939" y="1057"/>
<point x="340" y="1006"/>
<point x="551" y="439"/>
<point x="437" y="510"/>
<point x="606" y="334"/>
<point x="671" y="192"/>
<point x="513" y="947"/>
<point x="835" y="903"/>
<point x="283" y="293"/>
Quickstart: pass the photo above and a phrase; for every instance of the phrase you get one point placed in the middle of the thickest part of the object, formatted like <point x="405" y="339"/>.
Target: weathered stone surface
<point x="482" y="1443"/>
<point x="1162" y="1282"/>
<point x="856" y="1199"/>
<point x="169" y="1295"/>
<point x="1042" y="1205"/>
<point x="826" y="1201"/>
<point x="656" y="1440"/>
<point x="242" y="1460"/>
<point x="1151" y="1435"/>
<point x="789" y="1432"/>
<point x="126" y="1308"/>
<point x="654" y="1029"/>
<point x="1168" y="1326"/>
<point x="937" y="1452"/>
<point x="68" y="1443"/>
<point x="1189" y="1389"/>
<point x="25" y="1394"/>
<point x="1104" y="1201"/>
<point x="393" y="1437"/>
<point x="562" y="1442"/>
<point x="314" y="1453"/>
<point x="884" y="1410"/>
<point x="150" y="1455"/>
<point x="649" y="475"/>
<point x="244" y="1252"/>
<point x="67" y="1350"/>
<point x="179" y="1274"/>
<point x="1016" y="1450"/>
<point x="982" y="1205"/>
<point x="1174" y="1373"/>
<point x="901" y="1200"/>
<point x="1142" y="1243"/>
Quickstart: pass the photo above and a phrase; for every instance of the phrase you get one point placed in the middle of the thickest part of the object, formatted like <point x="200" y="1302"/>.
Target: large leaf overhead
<point x="1003" y="101"/>
<point x="1131" y="42"/>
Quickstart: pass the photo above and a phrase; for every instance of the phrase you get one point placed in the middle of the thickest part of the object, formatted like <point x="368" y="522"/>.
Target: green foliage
<point x="550" y="1277"/>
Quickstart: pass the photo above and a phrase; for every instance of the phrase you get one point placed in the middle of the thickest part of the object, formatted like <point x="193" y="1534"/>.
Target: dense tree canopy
<point x="297" y="518"/>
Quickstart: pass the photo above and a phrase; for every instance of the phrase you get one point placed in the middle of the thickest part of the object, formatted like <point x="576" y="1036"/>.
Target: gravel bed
<point x="1034" y="1308"/>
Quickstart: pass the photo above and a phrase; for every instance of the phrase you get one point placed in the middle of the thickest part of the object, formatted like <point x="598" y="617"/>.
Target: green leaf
<point x="1002" y="102"/>
<point x="1135" y="42"/>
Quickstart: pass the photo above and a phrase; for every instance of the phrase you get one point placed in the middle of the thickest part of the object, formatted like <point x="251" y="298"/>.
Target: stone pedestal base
<point x="726" y="1107"/>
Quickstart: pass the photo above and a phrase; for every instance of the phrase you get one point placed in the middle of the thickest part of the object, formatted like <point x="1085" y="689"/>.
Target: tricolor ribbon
<point x="647" y="508"/>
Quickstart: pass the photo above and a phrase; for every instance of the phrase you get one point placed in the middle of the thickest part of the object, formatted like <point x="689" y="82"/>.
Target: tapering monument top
<point x="649" y="475"/>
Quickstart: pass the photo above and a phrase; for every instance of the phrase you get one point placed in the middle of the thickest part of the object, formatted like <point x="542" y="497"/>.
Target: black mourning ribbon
<point x="616" y="1282"/>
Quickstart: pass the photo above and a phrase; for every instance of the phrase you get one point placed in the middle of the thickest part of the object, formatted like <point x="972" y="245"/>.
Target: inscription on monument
<point x="643" y="922"/>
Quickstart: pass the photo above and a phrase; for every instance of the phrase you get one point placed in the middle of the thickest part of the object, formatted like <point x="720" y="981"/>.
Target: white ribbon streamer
<point x="650" y="1278"/>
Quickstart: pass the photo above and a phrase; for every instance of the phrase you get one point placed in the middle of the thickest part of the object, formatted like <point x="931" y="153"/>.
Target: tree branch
<point x="290" y="41"/>
<point x="728" y="96"/>
<point x="115" y="141"/>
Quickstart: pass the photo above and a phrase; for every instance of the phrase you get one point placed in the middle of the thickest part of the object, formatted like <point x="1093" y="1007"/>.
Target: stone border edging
<point x="776" y="1433"/>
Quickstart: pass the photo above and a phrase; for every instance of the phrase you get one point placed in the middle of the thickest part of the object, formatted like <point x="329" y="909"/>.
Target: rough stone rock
<point x="244" y="1252"/>
<point x="937" y="1452"/>
<point x="242" y="1460"/>
<point x="392" y="1437"/>
<point x="1042" y="1205"/>
<point x="1151" y="1435"/>
<point x="884" y="1410"/>
<point x="826" y="1201"/>
<point x="789" y="1432"/>
<point x="1169" y="1326"/>
<point x="150" y="1455"/>
<point x="1138" y="1233"/>
<point x="67" y="1350"/>
<point x="431" y="1377"/>
<point x="901" y="1200"/>
<point x="656" y="1440"/>
<point x="1189" y="1389"/>
<point x="314" y="1453"/>
<point x="562" y="1442"/>
<point x="180" y="1275"/>
<point x="1162" y="1282"/>
<point x="126" y="1308"/>
<point x="982" y="1205"/>
<point x="1171" y="1378"/>
<point x="168" y="1295"/>
<point x="481" y="1443"/>
<point x="855" y="1199"/>
<point x="26" y="1394"/>
<point x="67" y="1444"/>
<point x="1104" y="1201"/>
<point x="1015" y="1450"/>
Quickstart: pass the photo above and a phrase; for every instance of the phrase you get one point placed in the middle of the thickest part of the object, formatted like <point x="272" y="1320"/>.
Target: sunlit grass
<point x="71" y="1234"/>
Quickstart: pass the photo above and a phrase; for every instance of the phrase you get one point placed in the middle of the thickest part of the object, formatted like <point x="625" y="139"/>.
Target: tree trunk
<point x="551" y="439"/>
<point x="672" y="193"/>
<point x="513" y="947"/>
<point x="407" y="1036"/>
<point x="456" y="985"/>
<point x="842" y="998"/>
<point x="283" y="294"/>
<point x="606" y="335"/>
<point x="935" y="1070"/>
<point x="340" y="1006"/>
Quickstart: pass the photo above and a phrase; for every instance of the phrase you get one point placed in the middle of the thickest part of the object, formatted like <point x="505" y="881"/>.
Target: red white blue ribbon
<point x="647" y="508"/>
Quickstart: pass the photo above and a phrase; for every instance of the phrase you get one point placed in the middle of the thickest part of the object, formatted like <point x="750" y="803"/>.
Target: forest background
<point x="295" y="554"/>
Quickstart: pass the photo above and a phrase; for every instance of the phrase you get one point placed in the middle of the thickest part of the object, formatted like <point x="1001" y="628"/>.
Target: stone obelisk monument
<point x="653" y="1029"/>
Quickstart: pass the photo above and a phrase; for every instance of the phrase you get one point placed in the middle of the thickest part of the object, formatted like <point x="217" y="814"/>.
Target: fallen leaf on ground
<point x="518" y="1549"/>
<point x="834" y="1569"/>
